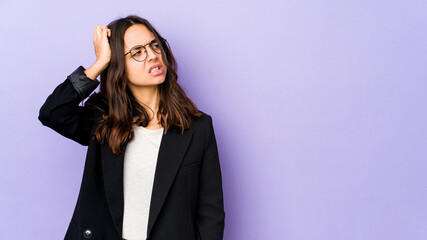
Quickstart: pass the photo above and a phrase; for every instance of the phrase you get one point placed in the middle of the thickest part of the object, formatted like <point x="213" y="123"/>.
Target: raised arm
<point x="61" y="111"/>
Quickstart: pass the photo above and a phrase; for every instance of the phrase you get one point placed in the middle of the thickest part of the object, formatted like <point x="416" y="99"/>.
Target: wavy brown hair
<point x="120" y="108"/>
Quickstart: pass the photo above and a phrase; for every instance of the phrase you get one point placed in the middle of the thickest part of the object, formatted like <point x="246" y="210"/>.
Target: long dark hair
<point x="121" y="110"/>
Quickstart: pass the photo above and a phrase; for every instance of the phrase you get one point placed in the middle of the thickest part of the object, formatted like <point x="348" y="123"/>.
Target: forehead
<point x="137" y="34"/>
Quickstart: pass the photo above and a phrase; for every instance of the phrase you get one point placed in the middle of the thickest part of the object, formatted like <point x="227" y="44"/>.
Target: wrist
<point x="95" y="70"/>
<point x="101" y="64"/>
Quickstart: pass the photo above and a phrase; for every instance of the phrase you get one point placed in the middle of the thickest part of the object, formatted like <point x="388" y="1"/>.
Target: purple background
<point x="319" y="109"/>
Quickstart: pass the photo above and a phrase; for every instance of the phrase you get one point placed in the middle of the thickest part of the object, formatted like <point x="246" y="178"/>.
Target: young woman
<point x="152" y="169"/>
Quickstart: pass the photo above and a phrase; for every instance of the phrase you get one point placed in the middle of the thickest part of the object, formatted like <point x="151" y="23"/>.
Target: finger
<point x="99" y="32"/>
<point x="95" y="33"/>
<point x="104" y="33"/>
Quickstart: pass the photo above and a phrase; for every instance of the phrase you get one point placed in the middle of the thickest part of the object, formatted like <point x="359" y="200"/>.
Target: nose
<point x="150" y="53"/>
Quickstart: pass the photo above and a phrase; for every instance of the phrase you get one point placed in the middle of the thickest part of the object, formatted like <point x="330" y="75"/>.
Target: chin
<point x="160" y="79"/>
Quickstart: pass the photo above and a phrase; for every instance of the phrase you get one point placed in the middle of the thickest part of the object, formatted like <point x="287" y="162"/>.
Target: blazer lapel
<point x="172" y="149"/>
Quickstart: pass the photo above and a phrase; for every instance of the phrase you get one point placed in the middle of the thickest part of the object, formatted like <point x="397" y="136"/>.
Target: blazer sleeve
<point x="61" y="111"/>
<point x="210" y="211"/>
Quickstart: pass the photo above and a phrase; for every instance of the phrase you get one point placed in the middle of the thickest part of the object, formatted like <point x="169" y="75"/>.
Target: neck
<point x="148" y="97"/>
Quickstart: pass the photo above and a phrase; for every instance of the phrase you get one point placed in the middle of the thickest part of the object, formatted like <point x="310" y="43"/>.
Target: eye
<point x="137" y="50"/>
<point x="156" y="45"/>
<point x="136" y="53"/>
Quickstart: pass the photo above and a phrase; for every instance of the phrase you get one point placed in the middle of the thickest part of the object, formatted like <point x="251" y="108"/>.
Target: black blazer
<point x="187" y="197"/>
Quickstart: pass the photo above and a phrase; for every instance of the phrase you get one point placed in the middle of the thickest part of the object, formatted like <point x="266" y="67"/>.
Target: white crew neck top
<point x="140" y="162"/>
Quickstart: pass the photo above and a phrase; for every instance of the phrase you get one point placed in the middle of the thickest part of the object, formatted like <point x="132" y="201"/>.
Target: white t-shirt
<point x="139" y="167"/>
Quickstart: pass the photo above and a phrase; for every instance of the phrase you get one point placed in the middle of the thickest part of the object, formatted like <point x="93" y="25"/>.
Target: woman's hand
<point x="101" y="44"/>
<point x="102" y="51"/>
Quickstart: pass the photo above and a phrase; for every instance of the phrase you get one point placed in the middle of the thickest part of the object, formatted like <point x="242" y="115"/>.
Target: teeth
<point x="154" y="69"/>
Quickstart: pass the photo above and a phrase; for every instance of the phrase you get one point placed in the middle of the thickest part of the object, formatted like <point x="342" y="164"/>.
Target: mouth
<point x="156" y="69"/>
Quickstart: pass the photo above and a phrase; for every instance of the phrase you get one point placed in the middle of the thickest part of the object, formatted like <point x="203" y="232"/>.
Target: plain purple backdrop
<point x="319" y="110"/>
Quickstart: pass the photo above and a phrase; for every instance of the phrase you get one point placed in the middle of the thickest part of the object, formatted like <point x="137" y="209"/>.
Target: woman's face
<point x="138" y="73"/>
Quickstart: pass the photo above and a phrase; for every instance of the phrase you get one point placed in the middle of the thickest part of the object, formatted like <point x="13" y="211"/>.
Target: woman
<point x="152" y="169"/>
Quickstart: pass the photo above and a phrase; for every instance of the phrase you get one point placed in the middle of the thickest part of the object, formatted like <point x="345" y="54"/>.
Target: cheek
<point x="135" y="70"/>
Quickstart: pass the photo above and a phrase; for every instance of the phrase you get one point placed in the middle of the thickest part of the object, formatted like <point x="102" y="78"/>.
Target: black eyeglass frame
<point x="143" y="46"/>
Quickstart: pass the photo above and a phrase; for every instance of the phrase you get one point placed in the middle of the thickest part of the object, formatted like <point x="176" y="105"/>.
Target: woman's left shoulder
<point x="204" y="121"/>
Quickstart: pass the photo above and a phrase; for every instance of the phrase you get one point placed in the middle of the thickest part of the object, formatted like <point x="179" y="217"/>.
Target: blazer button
<point x="87" y="233"/>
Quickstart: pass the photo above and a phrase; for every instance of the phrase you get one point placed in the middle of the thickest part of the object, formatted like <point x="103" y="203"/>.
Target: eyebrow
<point x="149" y="42"/>
<point x="145" y="44"/>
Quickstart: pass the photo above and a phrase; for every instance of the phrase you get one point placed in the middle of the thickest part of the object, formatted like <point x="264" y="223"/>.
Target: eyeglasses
<point x="139" y="52"/>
